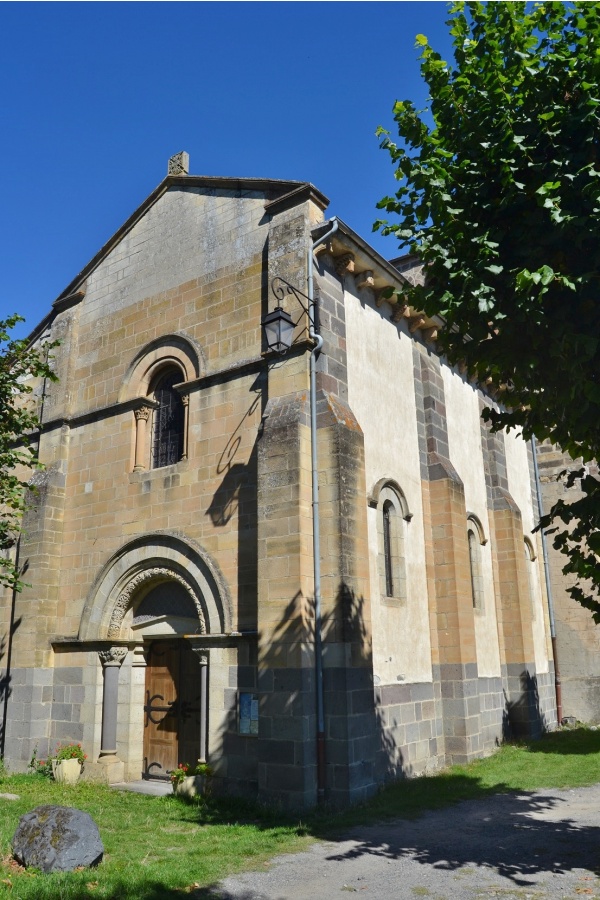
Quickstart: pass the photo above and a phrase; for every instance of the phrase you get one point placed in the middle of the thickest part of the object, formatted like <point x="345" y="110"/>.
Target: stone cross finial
<point x="179" y="164"/>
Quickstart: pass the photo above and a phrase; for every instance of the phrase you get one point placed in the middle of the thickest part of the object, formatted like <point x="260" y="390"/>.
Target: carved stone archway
<point x="155" y="573"/>
<point x="162" y="556"/>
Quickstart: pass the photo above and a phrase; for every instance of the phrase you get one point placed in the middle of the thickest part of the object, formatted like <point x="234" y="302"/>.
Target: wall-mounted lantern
<point x="279" y="328"/>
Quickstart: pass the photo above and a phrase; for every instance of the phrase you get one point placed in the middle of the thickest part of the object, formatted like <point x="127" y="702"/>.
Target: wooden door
<point x="172" y="708"/>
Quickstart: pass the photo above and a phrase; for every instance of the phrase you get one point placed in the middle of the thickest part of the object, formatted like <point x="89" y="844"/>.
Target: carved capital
<point x="142" y="412"/>
<point x="344" y="265"/>
<point x="113" y="656"/>
<point x="201" y="656"/>
<point x="185" y="399"/>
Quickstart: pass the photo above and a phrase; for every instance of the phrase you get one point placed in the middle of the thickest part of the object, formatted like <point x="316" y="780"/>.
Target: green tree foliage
<point x="499" y="194"/>
<point x="19" y="364"/>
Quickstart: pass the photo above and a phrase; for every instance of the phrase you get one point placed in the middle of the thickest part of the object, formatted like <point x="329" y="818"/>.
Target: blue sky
<point x="97" y="96"/>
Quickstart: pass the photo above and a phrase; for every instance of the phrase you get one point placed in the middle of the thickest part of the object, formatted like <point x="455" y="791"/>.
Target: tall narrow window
<point x="531" y="579"/>
<point x="392" y="517"/>
<point x="475" y="567"/>
<point x="167" y="437"/>
<point x="388" y="515"/>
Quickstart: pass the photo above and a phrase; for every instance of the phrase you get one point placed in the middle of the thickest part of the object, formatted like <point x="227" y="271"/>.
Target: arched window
<point x="388" y="540"/>
<point x="392" y="517"/>
<point x="476" y="538"/>
<point x="168" y="421"/>
<point x="531" y="574"/>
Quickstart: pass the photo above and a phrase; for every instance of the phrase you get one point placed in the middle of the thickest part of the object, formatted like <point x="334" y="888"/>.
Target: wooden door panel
<point x="160" y="710"/>
<point x="172" y="709"/>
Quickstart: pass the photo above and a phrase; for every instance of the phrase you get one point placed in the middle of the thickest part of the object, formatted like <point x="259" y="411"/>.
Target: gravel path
<point x="530" y="846"/>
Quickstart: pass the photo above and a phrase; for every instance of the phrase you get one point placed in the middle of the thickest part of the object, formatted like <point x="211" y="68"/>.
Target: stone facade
<point x="129" y="557"/>
<point x="577" y="637"/>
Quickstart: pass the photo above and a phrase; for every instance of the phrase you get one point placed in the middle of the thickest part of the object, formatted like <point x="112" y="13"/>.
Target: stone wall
<point x="578" y="637"/>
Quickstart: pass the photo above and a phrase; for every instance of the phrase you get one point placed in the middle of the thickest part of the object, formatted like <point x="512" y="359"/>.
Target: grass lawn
<point x="160" y="847"/>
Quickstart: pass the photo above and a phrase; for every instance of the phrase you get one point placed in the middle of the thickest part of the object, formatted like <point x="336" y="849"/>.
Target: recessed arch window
<point x="475" y="539"/>
<point x="168" y="425"/>
<point x="530" y="558"/>
<point x="389" y="537"/>
<point x="392" y="519"/>
<point x="161" y="411"/>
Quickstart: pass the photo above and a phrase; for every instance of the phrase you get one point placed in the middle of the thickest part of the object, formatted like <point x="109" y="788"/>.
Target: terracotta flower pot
<point x="66" y="771"/>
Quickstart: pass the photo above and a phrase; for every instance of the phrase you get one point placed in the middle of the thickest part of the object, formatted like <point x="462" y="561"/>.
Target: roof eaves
<point x="380" y="261"/>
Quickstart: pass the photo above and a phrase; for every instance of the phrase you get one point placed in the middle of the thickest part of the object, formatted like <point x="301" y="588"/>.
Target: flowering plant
<point x="40" y="766"/>
<point x="70" y="751"/>
<point x="184" y="770"/>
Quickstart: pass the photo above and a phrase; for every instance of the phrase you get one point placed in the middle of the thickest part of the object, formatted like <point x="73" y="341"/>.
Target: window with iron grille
<point x="391" y="525"/>
<point x="167" y="437"/>
<point x="388" y="513"/>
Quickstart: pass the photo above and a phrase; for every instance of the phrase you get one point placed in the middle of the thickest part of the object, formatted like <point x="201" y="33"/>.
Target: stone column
<point x="186" y="414"/>
<point x="111" y="660"/>
<point x="202" y="657"/>
<point x="142" y="414"/>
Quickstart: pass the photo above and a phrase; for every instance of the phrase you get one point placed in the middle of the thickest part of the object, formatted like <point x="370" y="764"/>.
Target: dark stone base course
<point x="530" y="699"/>
<point x="57" y="839"/>
<point x="458" y="717"/>
<point x="373" y="735"/>
<point x="286" y="754"/>
<point x="411" y="739"/>
<point x="236" y="770"/>
<point x="28" y="719"/>
<point x="352" y="735"/>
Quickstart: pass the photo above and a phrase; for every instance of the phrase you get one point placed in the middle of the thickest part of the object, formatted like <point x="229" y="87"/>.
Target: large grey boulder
<point x="57" y="839"/>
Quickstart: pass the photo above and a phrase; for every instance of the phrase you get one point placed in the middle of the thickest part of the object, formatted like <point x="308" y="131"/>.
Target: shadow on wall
<point x="237" y="494"/>
<point x="6" y="656"/>
<point x="360" y="751"/>
<point x="523" y="717"/>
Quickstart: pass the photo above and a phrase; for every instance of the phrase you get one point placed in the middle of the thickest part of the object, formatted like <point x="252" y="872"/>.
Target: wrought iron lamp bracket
<point x="282" y="289"/>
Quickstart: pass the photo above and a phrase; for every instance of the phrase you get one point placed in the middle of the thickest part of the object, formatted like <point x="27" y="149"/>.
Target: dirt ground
<point x="530" y="846"/>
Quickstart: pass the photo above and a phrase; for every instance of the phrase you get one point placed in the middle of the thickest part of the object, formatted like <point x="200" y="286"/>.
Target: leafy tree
<point x="499" y="194"/>
<point x="19" y="362"/>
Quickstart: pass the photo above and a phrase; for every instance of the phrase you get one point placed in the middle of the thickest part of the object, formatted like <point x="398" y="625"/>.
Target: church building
<point x="194" y="468"/>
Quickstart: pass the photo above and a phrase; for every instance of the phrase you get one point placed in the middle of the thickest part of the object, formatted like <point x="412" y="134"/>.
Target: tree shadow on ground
<point x="518" y="835"/>
<point x="575" y="741"/>
<point x="523" y="837"/>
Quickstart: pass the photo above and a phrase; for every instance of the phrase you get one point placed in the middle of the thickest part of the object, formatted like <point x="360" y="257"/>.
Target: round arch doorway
<point x="175" y="689"/>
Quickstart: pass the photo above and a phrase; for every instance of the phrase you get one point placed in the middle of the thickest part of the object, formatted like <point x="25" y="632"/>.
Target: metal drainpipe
<point x="315" y="514"/>
<point x="557" y="682"/>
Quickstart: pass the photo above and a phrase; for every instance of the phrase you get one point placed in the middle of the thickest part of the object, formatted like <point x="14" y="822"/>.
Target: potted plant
<point x="191" y="781"/>
<point x="67" y="763"/>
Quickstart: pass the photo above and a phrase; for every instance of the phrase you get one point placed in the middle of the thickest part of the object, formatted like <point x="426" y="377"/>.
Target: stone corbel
<point x="399" y="311"/>
<point x="344" y="264"/>
<point x="415" y="322"/>
<point x="364" y="279"/>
